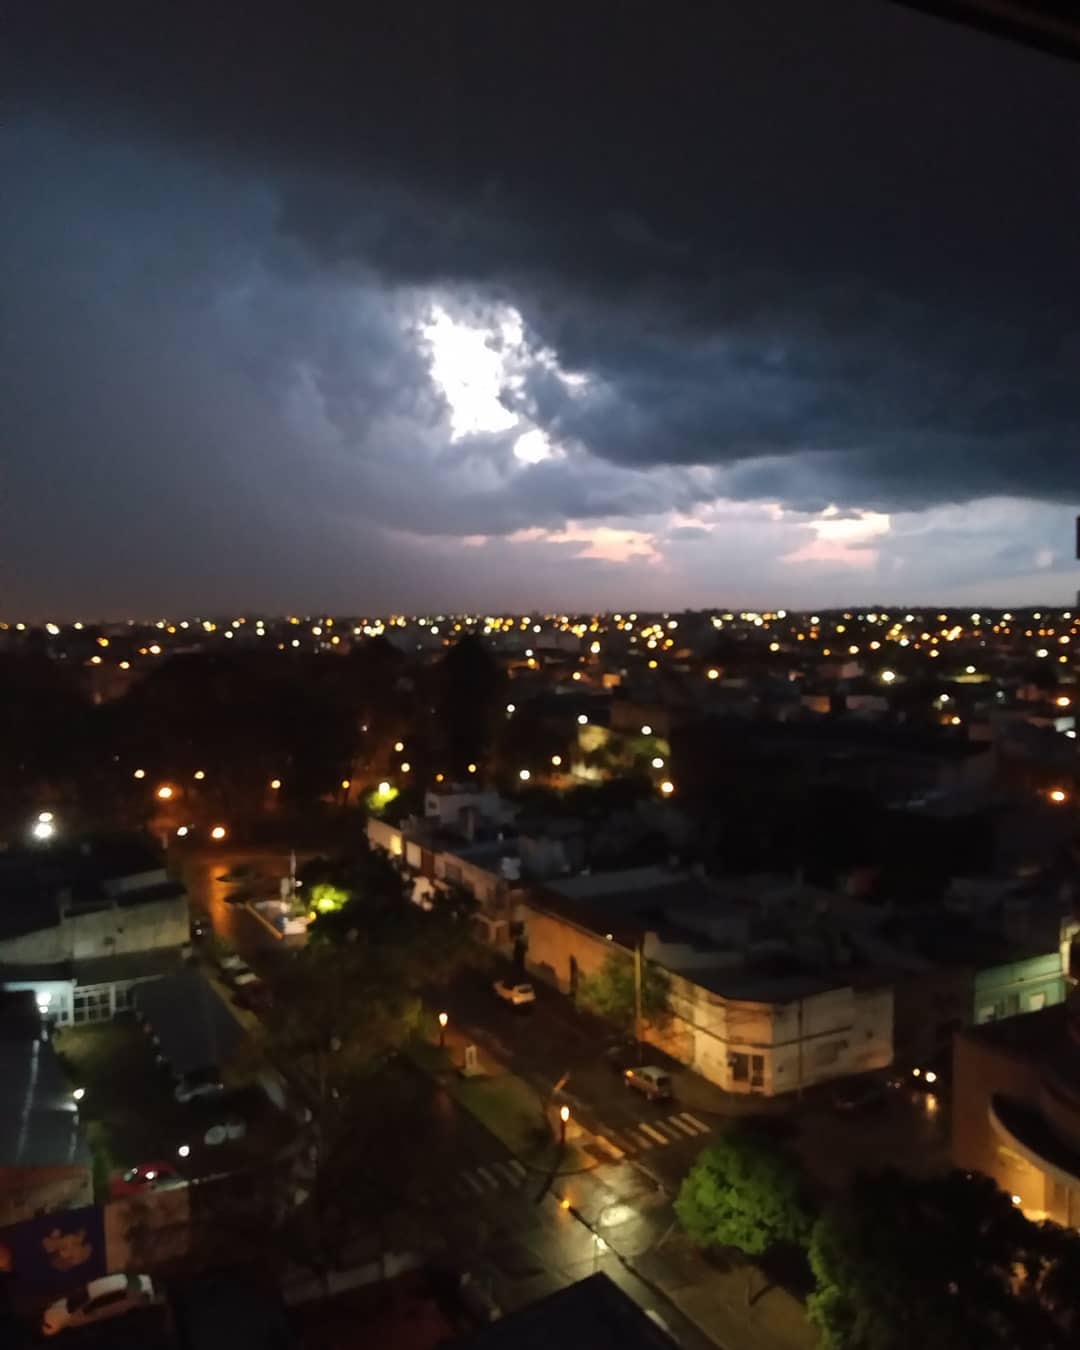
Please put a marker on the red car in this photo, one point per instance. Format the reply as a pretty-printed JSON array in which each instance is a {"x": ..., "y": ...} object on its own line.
[{"x": 148, "y": 1176}]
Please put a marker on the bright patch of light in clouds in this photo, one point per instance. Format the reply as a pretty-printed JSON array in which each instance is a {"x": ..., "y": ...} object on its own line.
[
  {"x": 470, "y": 373},
  {"x": 473, "y": 364},
  {"x": 842, "y": 539},
  {"x": 532, "y": 446}
]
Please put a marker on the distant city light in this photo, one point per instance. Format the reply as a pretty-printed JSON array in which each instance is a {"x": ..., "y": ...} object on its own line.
[
  {"x": 511, "y": 707},
  {"x": 182, "y": 832},
  {"x": 524, "y": 775},
  {"x": 218, "y": 832},
  {"x": 384, "y": 789},
  {"x": 78, "y": 1093},
  {"x": 43, "y": 829},
  {"x": 1058, "y": 796},
  {"x": 398, "y": 747},
  {"x": 406, "y": 767},
  {"x": 1062, "y": 701},
  {"x": 556, "y": 760},
  {"x": 199, "y": 774},
  {"x": 887, "y": 676},
  {"x": 346, "y": 783},
  {"x": 164, "y": 792},
  {"x": 275, "y": 784},
  {"x": 646, "y": 730},
  {"x": 582, "y": 720},
  {"x": 139, "y": 773},
  {"x": 667, "y": 787},
  {"x": 45, "y": 817},
  {"x": 472, "y": 768},
  {"x": 713, "y": 674},
  {"x": 658, "y": 762},
  {"x": 184, "y": 1151}
]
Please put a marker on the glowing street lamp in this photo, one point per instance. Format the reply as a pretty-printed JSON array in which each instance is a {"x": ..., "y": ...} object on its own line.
[
  {"x": 443, "y": 1019},
  {"x": 78, "y": 1093},
  {"x": 1058, "y": 796},
  {"x": 564, "y": 1117},
  {"x": 164, "y": 792},
  {"x": 218, "y": 832},
  {"x": 667, "y": 787},
  {"x": 275, "y": 784},
  {"x": 524, "y": 775},
  {"x": 139, "y": 773},
  {"x": 557, "y": 760},
  {"x": 184, "y": 1151},
  {"x": 43, "y": 829},
  {"x": 384, "y": 789},
  {"x": 199, "y": 775}
]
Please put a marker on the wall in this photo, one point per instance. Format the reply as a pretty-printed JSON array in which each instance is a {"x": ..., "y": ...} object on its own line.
[
  {"x": 27, "y": 1191},
  {"x": 553, "y": 941},
  {"x": 981, "y": 1069},
  {"x": 105, "y": 932},
  {"x": 1018, "y": 987}
]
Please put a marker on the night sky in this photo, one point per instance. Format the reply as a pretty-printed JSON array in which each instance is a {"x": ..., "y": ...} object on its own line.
[{"x": 505, "y": 305}]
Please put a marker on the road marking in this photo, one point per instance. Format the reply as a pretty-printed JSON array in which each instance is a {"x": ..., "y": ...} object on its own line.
[
  {"x": 487, "y": 1178},
  {"x": 665, "y": 1128},
  {"x": 702, "y": 1128},
  {"x": 504, "y": 1170},
  {"x": 472, "y": 1183},
  {"x": 516, "y": 1168},
  {"x": 682, "y": 1125},
  {"x": 630, "y": 1140},
  {"x": 654, "y": 1134}
]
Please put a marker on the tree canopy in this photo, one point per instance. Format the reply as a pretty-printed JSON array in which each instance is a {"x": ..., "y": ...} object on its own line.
[
  {"x": 610, "y": 992},
  {"x": 940, "y": 1263},
  {"x": 743, "y": 1191}
]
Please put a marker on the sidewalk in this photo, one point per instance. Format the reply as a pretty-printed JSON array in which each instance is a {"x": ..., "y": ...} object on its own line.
[{"x": 613, "y": 1217}]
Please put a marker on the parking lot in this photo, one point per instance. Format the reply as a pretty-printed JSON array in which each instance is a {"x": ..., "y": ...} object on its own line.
[{"x": 131, "y": 1115}]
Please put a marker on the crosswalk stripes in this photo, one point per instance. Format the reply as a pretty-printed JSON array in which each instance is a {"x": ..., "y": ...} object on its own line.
[
  {"x": 482, "y": 1179},
  {"x": 656, "y": 1133}
]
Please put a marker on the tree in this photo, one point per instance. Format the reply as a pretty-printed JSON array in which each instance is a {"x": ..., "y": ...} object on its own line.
[
  {"x": 610, "y": 991},
  {"x": 937, "y": 1263},
  {"x": 744, "y": 1192}
]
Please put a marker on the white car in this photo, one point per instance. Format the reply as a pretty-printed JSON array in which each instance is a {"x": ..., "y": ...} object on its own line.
[
  {"x": 111, "y": 1296},
  {"x": 517, "y": 994}
]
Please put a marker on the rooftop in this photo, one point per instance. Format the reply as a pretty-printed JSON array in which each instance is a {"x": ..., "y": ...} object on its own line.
[{"x": 593, "y": 1314}]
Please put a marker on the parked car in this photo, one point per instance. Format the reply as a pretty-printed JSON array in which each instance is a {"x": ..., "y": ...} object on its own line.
[
  {"x": 201, "y": 1083},
  {"x": 242, "y": 978},
  {"x": 232, "y": 962},
  {"x": 148, "y": 1176},
  {"x": 110, "y": 1296},
  {"x": 519, "y": 994},
  {"x": 650, "y": 1081}
]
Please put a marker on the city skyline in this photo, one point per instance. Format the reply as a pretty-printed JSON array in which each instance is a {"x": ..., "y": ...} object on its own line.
[{"x": 764, "y": 309}]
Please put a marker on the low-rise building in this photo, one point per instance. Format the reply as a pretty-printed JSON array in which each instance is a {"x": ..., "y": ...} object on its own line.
[
  {"x": 750, "y": 1009},
  {"x": 81, "y": 925}
]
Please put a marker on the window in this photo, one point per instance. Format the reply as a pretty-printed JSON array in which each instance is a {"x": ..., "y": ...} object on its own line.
[
  {"x": 1036, "y": 1002},
  {"x": 93, "y": 1004},
  {"x": 740, "y": 1067}
]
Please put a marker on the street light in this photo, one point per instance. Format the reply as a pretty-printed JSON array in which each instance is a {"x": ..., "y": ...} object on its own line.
[
  {"x": 78, "y": 1093},
  {"x": 218, "y": 832},
  {"x": 275, "y": 784},
  {"x": 524, "y": 775},
  {"x": 564, "y": 1116},
  {"x": 164, "y": 792},
  {"x": 443, "y": 1019},
  {"x": 667, "y": 787},
  {"x": 1058, "y": 796},
  {"x": 43, "y": 829},
  {"x": 184, "y": 1151},
  {"x": 199, "y": 775}
]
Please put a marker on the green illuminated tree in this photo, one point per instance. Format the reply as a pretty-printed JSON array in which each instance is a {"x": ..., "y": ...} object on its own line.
[
  {"x": 743, "y": 1192},
  {"x": 610, "y": 991}
]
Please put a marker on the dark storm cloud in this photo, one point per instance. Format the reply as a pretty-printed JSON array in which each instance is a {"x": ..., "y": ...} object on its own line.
[{"x": 827, "y": 252}]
